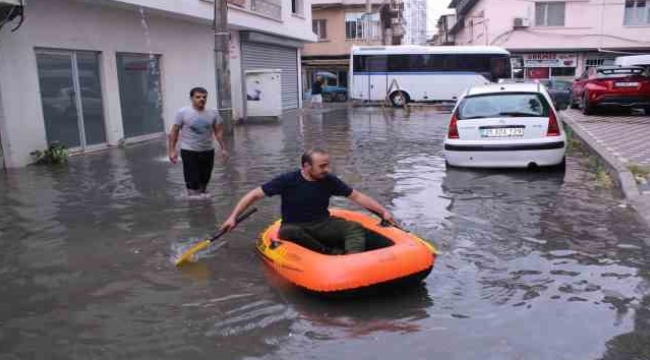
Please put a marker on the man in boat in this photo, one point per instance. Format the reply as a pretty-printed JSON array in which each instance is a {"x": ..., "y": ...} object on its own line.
[{"x": 305, "y": 196}]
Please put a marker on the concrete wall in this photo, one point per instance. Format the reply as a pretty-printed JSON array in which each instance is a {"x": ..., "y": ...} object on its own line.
[
  {"x": 336, "y": 43},
  {"x": 184, "y": 41},
  {"x": 187, "y": 61},
  {"x": 290, "y": 25},
  {"x": 589, "y": 24}
]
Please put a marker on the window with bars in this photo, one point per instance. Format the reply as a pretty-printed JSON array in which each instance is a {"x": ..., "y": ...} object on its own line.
[
  {"x": 549, "y": 13},
  {"x": 595, "y": 62},
  {"x": 637, "y": 12},
  {"x": 319, "y": 26},
  {"x": 359, "y": 25}
]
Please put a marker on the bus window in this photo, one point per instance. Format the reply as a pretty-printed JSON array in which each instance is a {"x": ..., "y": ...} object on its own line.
[
  {"x": 399, "y": 63},
  {"x": 359, "y": 63},
  {"x": 500, "y": 68},
  {"x": 376, "y": 63}
]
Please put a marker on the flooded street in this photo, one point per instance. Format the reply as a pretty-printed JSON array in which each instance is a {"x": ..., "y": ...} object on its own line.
[{"x": 533, "y": 265}]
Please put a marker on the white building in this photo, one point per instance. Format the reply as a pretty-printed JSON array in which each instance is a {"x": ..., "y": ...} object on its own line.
[
  {"x": 90, "y": 74},
  {"x": 415, "y": 16}
]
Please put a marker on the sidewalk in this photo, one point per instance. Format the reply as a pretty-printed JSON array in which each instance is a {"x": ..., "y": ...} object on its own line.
[{"x": 621, "y": 142}]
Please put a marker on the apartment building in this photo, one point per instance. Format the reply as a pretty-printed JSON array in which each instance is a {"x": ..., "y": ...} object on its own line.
[
  {"x": 415, "y": 21},
  {"x": 91, "y": 74},
  {"x": 551, "y": 38},
  {"x": 340, "y": 24}
]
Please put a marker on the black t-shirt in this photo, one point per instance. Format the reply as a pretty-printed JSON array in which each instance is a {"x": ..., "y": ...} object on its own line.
[
  {"x": 317, "y": 88},
  {"x": 303, "y": 200}
]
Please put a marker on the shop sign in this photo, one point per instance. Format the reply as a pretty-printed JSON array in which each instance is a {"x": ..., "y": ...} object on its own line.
[{"x": 550, "y": 60}]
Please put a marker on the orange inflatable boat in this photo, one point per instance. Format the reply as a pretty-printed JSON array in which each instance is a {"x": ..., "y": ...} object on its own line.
[{"x": 392, "y": 257}]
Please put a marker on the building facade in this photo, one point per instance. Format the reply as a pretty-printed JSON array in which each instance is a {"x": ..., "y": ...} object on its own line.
[
  {"x": 415, "y": 18},
  {"x": 341, "y": 24},
  {"x": 552, "y": 38},
  {"x": 94, "y": 74}
]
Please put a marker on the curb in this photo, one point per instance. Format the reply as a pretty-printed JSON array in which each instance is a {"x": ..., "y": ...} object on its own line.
[{"x": 619, "y": 172}]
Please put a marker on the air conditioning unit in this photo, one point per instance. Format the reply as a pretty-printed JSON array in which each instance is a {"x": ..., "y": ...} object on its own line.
[{"x": 521, "y": 23}]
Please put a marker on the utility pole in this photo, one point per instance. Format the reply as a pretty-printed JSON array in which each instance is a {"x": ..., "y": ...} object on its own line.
[{"x": 222, "y": 63}]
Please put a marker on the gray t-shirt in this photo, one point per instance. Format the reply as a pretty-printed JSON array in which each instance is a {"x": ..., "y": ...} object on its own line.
[{"x": 197, "y": 128}]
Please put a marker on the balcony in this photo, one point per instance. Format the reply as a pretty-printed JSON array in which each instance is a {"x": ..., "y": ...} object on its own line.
[{"x": 270, "y": 8}]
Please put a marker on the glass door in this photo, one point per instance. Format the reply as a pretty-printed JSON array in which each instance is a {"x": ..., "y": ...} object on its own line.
[
  {"x": 71, "y": 98},
  {"x": 140, "y": 94}
]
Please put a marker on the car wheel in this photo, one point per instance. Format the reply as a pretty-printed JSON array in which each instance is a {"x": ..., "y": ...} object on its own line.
[
  {"x": 399, "y": 99},
  {"x": 647, "y": 111},
  {"x": 587, "y": 109},
  {"x": 341, "y": 97},
  {"x": 327, "y": 97},
  {"x": 572, "y": 102}
]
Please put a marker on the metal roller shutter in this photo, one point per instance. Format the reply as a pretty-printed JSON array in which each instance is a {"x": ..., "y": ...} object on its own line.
[{"x": 264, "y": 56}]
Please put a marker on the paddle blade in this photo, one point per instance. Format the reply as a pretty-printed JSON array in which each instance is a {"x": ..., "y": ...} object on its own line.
[{"x": 189, "y": 254}]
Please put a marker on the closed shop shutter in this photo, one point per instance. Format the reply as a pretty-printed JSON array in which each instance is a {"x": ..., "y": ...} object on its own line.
[{"x": 264, "y": 56}]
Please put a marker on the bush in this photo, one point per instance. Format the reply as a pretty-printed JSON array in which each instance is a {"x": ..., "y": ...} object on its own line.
[{"x": 55, "y": 154}]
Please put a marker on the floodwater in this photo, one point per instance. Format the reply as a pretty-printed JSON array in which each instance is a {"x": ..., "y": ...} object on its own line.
[{"x": 533, "y": 265}]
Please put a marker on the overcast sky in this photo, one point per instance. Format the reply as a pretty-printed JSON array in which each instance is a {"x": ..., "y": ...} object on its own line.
[{"x": 435, "y": 8}]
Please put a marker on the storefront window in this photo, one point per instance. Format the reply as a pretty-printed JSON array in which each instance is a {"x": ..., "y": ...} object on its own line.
[
  {"x": 538, "y": 73},
  {"x": 140, "y": 93},
  {"x": 567, "y": 71}
]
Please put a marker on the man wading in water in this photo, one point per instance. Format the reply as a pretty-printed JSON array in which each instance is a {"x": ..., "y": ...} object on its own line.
[
  {"x": 196, "y": 126},
  {"x": 305, "y": 196}
]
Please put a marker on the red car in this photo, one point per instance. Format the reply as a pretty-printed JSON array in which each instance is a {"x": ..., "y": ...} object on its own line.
[{"x": 611, "y": 86}]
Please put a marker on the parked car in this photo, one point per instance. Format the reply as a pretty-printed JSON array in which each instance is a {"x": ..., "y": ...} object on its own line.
[
  {"x": 560, "y": 92},
  {"x": 634, "y": 60},
  {"x": 505, "y": 126},
  {"x": 611, "y": 86}
]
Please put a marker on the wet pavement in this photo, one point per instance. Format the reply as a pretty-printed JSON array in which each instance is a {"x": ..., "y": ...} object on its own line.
[{"x": 533, "y": 265}]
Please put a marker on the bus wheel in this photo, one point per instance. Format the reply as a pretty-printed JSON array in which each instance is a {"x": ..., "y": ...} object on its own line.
[{"x": 399, "y": 99}]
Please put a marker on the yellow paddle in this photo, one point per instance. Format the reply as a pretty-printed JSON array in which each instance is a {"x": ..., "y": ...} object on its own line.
[{"x": 189, "y": 254}]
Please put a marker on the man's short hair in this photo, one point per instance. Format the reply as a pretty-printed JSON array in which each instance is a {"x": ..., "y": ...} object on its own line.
[
  {"x": 307, "y": 156},
  {"x": 199, "y": 90}
]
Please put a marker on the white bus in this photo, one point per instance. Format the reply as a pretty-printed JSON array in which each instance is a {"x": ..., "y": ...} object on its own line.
[{"x": 408, "y": 73}]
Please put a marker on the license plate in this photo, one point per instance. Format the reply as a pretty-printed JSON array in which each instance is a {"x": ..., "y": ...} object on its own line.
[
  {"x": 502, "y": 132},
  {"x": 626, "y": 84}
]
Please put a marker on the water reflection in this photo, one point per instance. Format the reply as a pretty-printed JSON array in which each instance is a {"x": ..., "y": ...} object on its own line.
[{"x": 540, "y": 263}]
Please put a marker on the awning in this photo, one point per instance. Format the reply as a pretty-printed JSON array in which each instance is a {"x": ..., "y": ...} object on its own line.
[{"x": 326, "y": 62}]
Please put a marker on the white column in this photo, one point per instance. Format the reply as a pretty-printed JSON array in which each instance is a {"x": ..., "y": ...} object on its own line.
[
  {"x": 112, "y": 106},
  {"x": 236, "y": 78},
  {"x": 299, "y": 53}
]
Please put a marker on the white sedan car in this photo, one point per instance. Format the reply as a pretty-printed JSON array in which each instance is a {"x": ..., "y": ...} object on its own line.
[{"x": 505, "y": 126}]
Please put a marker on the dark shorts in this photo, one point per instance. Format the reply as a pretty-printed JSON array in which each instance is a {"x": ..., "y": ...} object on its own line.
[{"x": 197, "y": 168}]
